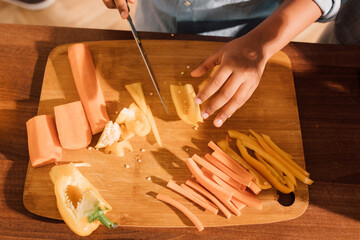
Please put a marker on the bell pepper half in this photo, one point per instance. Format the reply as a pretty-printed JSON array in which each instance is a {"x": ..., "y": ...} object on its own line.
[{"x": 79, "y": 202}]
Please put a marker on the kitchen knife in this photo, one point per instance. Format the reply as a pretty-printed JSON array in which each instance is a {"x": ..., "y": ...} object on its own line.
[{"x": 144, "y": 57}]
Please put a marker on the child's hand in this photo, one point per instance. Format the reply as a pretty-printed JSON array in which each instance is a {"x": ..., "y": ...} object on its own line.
[
  {"x": 241, "y": 66},
  {"x": 119, "y": 4}
]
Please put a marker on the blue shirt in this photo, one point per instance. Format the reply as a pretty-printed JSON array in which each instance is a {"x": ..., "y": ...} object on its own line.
[{"x": 231, "y": 18}]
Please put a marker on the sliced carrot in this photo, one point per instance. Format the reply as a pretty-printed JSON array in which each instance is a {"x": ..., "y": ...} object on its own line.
[
  {"x": 182, "y": 208},
  {"x": 258, "y": 178},
  {"x": 215, "y": 158},
  {"x": 207, "y": 183},
  {"x": 72, "y": 125},
  {"x": 245, "y": 197},
  {"x": 43, "y": 142},
  {"x": 254, "y": 188},
  {"x": 240, "y": 205},
  {"x": 88, "y": 86},
  {"x": 226, "y": 202},
  {"x": 173, "y": 186},
  {"x": 229, "y": 162},
  {"x": 215, "y": 170},
  {"x": 211, "y": 197},
  {"x": 197, "y": 195},
  {"x": 262, "y": 169}
]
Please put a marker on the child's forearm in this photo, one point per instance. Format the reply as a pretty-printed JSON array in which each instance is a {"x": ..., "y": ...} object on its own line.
[{"x": 285, "y": 23}]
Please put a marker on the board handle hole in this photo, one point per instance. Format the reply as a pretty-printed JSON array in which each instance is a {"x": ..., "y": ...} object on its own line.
[{"x": 286, "y": 200}]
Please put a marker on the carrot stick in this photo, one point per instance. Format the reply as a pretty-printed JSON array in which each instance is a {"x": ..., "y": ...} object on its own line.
[
  {"x": 226, "y": 202},
  {"x": 240, "y": 205},
  {"x": 213, "y": 159},
  {"x": 229, "y": 162},
  {"x": 211, "y": 197},
  {"x": 182, "y": 208},
  {"x": 173, "y": 186},
  {"x": 258, "y": 178},
  {"x": 209, "y": 165},
  {"x": 197, "y": 195},
  {"x": 254, "y": 188},
  {"x": 245, "y": 197},
  {"x": 207, "y": 183}
]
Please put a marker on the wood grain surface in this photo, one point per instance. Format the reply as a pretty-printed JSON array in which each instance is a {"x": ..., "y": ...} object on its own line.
[
  {"x": 272, "y": 110},
  {"x": 329, "y": 119}
]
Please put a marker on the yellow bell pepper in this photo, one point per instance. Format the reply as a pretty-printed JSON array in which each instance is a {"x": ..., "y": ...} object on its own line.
[{"x": 79, "y": 202}]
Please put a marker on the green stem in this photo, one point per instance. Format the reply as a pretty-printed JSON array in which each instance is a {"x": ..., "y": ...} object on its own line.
[{"x": 99, "y": 214}]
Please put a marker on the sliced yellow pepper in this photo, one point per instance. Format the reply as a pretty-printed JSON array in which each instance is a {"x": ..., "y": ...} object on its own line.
[
  {"x": 183, "y": 97},
  {"x": 280, "y": 160},
  {"x": 79, "y": 202},
  {"x": 263, "y": 170},
  {"x": 258, "y": 178}
]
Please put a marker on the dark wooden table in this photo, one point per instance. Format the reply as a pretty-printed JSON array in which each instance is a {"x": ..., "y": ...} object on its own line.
[{"x": 327, "y": 79}]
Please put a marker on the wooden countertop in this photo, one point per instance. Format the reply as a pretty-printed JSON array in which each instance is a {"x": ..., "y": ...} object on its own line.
[{"x": 327, "y": 79}]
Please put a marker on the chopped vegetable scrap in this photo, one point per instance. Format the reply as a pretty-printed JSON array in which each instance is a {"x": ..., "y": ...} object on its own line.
[
  {"x": 186, "y": 108},
  {"x": 79, "y": 203},
  {"x": 110, "y": 135},
  {"x": 137, "y": 93}
]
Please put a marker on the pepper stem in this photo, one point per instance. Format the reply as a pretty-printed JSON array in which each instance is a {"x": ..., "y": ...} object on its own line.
[{"x": 99, "y": 214}]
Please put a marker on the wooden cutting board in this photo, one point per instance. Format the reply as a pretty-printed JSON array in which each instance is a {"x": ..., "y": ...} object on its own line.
[{"x": 271, "y": 110}]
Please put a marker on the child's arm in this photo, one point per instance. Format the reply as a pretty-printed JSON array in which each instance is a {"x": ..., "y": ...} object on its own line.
[{"x": 242, "y": 61}]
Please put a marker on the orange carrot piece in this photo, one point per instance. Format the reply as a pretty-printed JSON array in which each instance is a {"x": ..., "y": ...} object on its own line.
[
  {"x": 197, "y": 195},
  {"x": 211, "y": 197},
  {"x": 206, "y": 164},
  {"x": 240, "y": 205},
  {"x": 245, "y": 197},
  {"x": 72, "y": 125},
  {"x": 216, "y": 162},
  {"x": 175, "y": 187},
  {"x": 226, "y": 202},
  {"x": 182, "y": 208},
  {"x": 207, "y": 183},
  {"x": 88, "y": 86},
  {"x": 43, "y": 141},
  {"x": 229, "y": 162},
  {"x": 254, "y": 188}
]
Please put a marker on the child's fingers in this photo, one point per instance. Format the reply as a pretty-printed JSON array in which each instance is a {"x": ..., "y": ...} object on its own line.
[
  {"x": 226, "y": 93},
  {"x": 207, "y": 64},
  {"x": 240, "y": 97},
  {"x": 219, "y": 78},
  {"x": 123, "y": 9},
  {"x": 109, "y": 3}
]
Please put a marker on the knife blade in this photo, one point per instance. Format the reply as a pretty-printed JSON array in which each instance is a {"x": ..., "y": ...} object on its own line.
[{"x": 144, "y": 57}]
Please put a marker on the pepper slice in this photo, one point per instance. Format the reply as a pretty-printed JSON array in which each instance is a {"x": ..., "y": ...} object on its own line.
[
  {"x": 186, "y": 108},
  {"x": 79, "y": 202}
]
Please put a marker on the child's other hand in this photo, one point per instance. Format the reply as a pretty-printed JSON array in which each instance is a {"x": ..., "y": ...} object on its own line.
[
  {"x": 241, "y": 66},
  {"x": 119, "y": 4}
]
